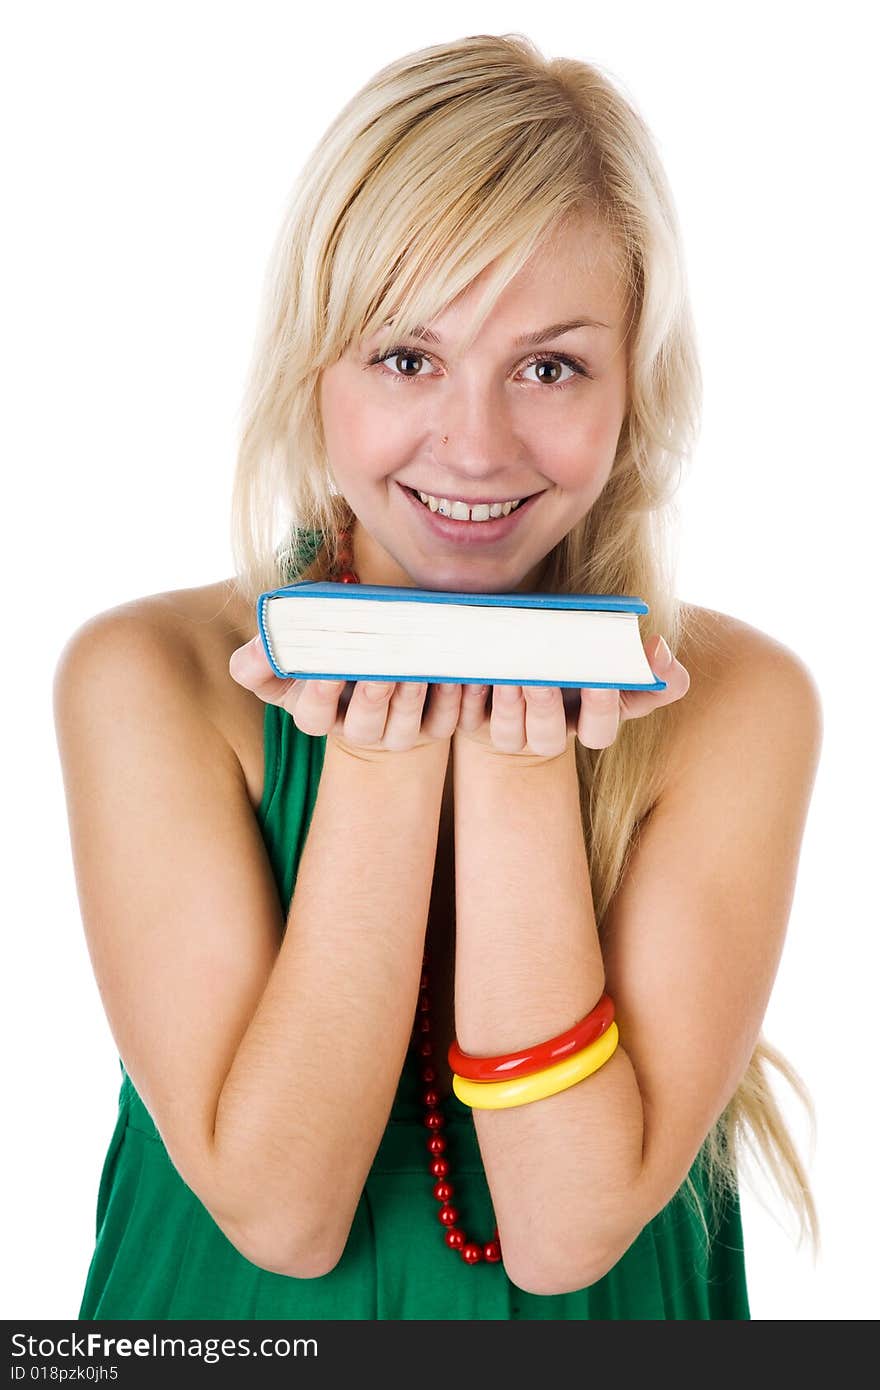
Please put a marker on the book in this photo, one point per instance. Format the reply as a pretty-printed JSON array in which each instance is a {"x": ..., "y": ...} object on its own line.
[{"x": 334, "y": 631}]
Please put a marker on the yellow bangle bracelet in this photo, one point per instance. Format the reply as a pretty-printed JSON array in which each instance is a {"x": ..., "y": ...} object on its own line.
[{"x": 520, "y": 1090}]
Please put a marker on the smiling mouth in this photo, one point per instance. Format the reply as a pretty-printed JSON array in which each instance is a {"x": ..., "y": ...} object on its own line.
[{"x": 519, "y": 502}]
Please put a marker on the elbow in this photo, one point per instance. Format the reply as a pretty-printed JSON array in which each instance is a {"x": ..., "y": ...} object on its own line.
[
  {"x": 556, "y": 1270},
  {"x": 302, "y": 1258},
  {"x": 303, "y": 1241},
  {"x": 551, "y": 1281},
  {"x": 312, "y": 1265}
]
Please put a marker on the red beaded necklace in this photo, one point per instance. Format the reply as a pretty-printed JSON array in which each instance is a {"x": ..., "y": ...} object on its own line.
[{"x": 471, "y": 1251}]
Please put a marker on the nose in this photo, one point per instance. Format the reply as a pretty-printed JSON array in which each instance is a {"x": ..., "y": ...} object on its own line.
[{"x": 474, "y": 436}]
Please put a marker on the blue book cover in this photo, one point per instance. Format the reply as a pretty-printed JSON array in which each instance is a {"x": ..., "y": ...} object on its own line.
[{"x": 331, "y": 589}]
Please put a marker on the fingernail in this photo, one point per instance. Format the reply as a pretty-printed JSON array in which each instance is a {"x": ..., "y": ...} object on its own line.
[{"x": 664, "y": 656}]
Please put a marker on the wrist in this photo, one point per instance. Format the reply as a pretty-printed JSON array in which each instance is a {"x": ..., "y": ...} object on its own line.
[
  {"x": 424, "y": 755},
  {"x": 478, "y": 751}
]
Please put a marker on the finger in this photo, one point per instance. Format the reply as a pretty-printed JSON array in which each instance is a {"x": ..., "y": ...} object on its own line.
[
  {"x": 403, "y": 721},
  {"x": 366, "y": 714},
  {"x": 440, "y": 717},
  {"x": 507, "y": 721},
  {"x": 472, "y": 710},
  {"x": 599, "y": 717},
  {"x": 314, "y": 705},
  {"x": 635, "y": 703},
  {"x": 546, "y": 732},
  {"x": 249, "y": 666}
]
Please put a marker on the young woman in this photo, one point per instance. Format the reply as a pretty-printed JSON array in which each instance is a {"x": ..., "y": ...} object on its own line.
[{"x": 310, "y": 906}]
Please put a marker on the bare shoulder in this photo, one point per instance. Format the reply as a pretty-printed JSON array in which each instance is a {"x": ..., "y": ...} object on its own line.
[
  {"x": 739, "y": 672},
  {"x": 186, "y": 636},
  {"x": 718, "y": 649},
  {"x": 199, "y": 624}
]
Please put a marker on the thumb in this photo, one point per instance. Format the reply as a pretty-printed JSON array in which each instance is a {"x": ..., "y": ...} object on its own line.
[{"x": 241, "y": 662}]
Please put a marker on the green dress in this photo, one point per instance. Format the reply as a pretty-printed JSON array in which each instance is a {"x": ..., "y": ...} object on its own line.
[{"x": 160, "y": 1255}]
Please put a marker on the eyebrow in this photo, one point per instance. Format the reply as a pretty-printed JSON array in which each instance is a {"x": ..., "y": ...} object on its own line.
[{"x": 537, "y": 335}]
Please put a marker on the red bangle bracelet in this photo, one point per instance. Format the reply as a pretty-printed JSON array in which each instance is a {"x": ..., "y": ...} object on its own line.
[{"x": 540, "y": 1055}]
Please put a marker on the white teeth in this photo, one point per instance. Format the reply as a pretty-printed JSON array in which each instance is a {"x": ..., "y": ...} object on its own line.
[{"x": 460, "y": 511}]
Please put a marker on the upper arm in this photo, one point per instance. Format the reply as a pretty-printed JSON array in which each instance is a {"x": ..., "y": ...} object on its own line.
[
  {"x": 693, "y": 937},
  {"x": 178, "y": 903}
]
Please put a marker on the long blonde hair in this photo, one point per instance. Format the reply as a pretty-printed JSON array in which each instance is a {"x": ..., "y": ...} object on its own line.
[{"x": 452, "y": 159}]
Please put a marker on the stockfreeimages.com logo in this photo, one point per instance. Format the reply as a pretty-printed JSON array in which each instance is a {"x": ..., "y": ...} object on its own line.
[{"x": 94, "y": 1345}]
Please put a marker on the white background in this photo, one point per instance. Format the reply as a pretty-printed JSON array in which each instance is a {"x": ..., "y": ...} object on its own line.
[{"x": 150, "y": 150}]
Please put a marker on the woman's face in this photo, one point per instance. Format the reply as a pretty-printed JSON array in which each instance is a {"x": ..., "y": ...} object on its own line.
[{"x": 514, "y": 426}]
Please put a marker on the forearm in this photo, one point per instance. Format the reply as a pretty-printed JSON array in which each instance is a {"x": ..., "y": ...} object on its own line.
[
  {"x": 529, "y": 966},
  {"x": 308, "y": 1095}
]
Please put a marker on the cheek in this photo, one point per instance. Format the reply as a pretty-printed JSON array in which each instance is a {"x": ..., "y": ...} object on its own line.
[
  {"x": 338, "y": 414},
  {"x": 583, "y": 450},
  {"x": 360, "y": 432}
]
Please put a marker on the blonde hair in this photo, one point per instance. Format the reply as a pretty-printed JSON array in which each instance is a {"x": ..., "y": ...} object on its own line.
[{"x": 452, "y": 159}]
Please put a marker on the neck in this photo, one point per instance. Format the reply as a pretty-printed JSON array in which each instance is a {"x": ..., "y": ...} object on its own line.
[{"x": 371, "y": 564}]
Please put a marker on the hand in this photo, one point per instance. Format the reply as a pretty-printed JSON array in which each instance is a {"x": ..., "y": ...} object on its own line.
[
  {"x": 542, "y": 721},
  {"x": 357, "y": 715}
]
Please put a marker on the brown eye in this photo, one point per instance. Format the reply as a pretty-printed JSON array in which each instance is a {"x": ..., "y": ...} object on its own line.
[
  {"x": 398, "y": 354},
  {"x": 550, "y": 368},
  {"x": 407, "y": 357}
]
